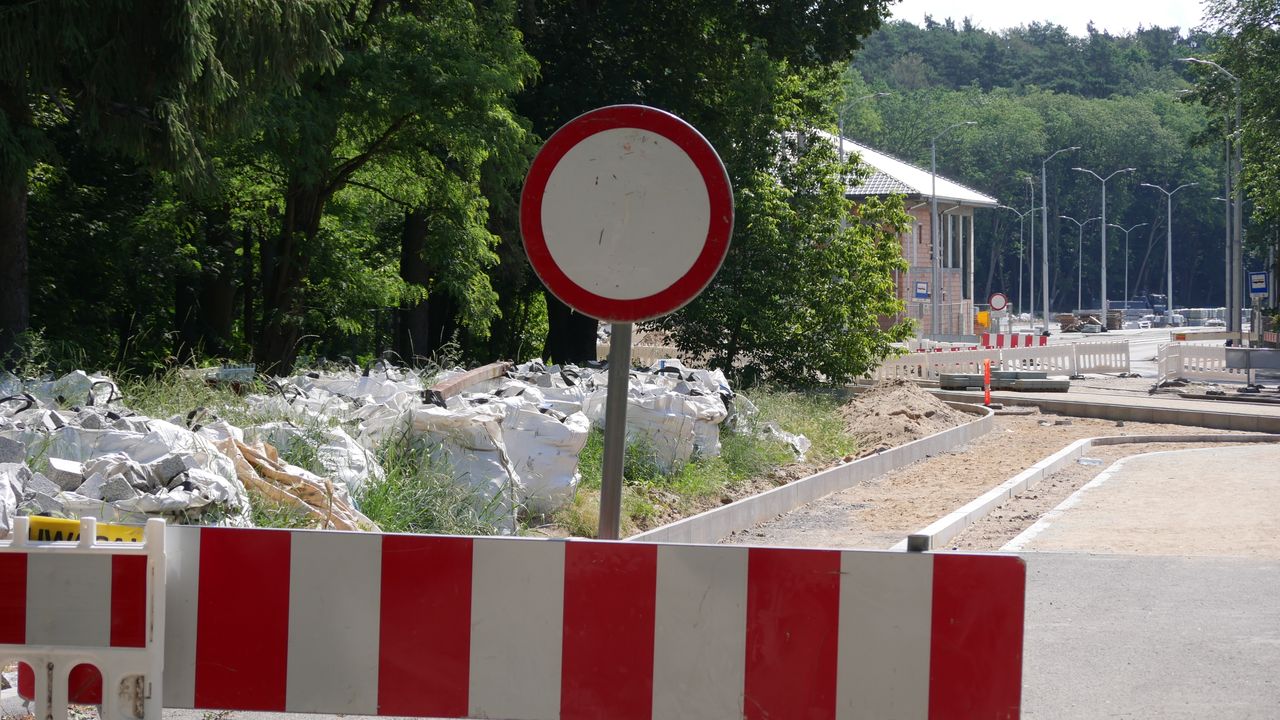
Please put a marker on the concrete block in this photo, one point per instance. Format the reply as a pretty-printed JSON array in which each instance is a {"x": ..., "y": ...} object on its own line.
[
  {"x": 118, "y": 488},
  {"x": 12, "y": 451},
  {"x": 90, "y": 420},
  {"x": 38, "y": 483},
  {"x": 66, "y": 474},
  {"x": 92, "y": 487},
  {"x": 162, "y": 471},
  {"x": 41, "y": 504}
]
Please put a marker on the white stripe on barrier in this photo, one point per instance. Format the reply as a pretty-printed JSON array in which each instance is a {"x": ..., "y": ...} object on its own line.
[
  {"x": 330, "y": 610},
  {"x": 69, "y": 600},
  {"x": 881, "y": 598},
  {"x": 699, "y": 633},
  {"x": 183, "y": 581},
  {"x": 517, "y": 613}
]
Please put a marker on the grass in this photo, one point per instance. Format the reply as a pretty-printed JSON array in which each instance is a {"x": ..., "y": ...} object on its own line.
[{"x": 650, "y": 496}]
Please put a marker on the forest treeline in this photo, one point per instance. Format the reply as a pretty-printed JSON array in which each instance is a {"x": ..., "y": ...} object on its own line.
[
  {"x": 1125, "y": 100},
  {"x": 279, "y": 181}
]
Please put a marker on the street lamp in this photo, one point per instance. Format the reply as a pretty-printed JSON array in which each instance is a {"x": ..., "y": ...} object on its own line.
[
  {"x": 1044, "y": 234},
  {"x": 844, "y": 107},
  {"x": 1126, "y": 261},
  {"x": 934, "y": 296},
  {"x": 1104, "y": 231},
  {"x": 1080, "y": 260},
  {"x": 1234, "y": 259},
  {"x": 1168, "y": 258},
  {"x": 1021, "y": 216}
]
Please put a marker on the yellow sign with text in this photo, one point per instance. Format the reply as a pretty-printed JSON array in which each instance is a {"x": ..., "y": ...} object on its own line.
[{"x": 46, "y": 529}]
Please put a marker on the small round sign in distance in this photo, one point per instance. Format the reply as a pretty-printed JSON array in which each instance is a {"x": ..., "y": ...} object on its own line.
[
  {"x": 626, "y": 213},
  {"x": 998, "y": 302}
]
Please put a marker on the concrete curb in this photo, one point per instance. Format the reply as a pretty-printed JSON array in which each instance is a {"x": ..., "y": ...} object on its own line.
[
  {"x": 716, "y": 524},
  {"x": 943, "y": 530},
  {"x": 1216, "y": 419}
]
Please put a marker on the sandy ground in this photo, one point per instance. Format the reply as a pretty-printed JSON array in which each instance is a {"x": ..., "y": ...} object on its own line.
[
  {"x": 881, "y": 512},
  {"x": 1005, "y": 522},
  {"x": 1209, "y": 501}
]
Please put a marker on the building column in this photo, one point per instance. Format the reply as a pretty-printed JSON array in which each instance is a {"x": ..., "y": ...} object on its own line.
[{"x": 968, "y": 318}]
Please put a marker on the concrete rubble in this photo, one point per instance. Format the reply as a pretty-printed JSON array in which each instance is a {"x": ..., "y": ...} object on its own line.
[{"x": 70, "y": 447}]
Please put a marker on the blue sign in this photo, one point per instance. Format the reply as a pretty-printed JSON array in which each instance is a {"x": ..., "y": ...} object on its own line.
[
  {"x": 1258, "y": 283},
  {"x": 922, "y": 289}
]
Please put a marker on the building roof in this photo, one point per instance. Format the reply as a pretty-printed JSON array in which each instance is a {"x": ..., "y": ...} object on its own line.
[{"x": 891, "y": 176}]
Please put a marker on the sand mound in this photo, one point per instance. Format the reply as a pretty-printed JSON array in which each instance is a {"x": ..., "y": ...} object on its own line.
[{"x": 895, "y": 412}]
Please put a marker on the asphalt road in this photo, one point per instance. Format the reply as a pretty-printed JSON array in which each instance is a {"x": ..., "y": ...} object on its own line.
[{"x": 1164, "y": 638}]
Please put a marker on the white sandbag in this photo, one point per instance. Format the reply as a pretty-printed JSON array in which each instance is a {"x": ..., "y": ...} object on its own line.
[
  {"x": 10, "y": 490},
  {"x": 469, "y": 440},
  {"x": 344, "y": 460},
  {"x": 543, "y": 448}
]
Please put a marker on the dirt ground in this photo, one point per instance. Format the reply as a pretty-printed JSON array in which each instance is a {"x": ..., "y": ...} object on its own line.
[
  {"x": 881, "y": 512},
  {"x": 894, "y": 413}
]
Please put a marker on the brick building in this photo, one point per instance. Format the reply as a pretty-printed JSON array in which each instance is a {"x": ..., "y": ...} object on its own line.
[{"x": 956, "y": 203}]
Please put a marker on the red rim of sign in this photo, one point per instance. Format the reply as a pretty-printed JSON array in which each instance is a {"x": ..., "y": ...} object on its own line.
[
  {"x": 1004, "y": 302},
  {"x": 719, "y": 230}
]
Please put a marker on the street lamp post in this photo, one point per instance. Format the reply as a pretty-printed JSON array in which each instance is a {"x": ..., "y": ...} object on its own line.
[
  {"x": 1021, "y": 216},
  {"x": 1126, "y": 261},
  {"x": 1044, "y": 231},
  {"x": 844, "y": 107},
  {"x": 1168, "y": 258},
  {"x": 934, "y": 296},
  {"x": 1234, "y": 259},
  {"x": 1104, "y": 231},
  {"x": 1080, "y": 259}
]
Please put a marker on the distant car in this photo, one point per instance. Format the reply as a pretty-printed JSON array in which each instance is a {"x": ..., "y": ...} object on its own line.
[
  {"x": 1091, "y": 328},
  {"x": 1215, "y": 322}
]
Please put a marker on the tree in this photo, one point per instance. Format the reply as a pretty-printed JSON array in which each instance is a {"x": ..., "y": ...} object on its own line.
[
  {"x": 717, "y": 65},
  {"x": 145, "y": 81}
]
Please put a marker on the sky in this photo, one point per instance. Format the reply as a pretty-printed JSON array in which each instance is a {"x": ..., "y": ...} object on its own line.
[{"x": 1115, "y": 16}]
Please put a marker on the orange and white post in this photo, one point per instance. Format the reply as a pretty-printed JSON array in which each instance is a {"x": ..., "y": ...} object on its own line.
[{"x": 986, "y": 382}]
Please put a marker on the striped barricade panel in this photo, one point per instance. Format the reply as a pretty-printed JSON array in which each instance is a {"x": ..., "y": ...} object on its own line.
[
  {"x": 74, "y": 613},
  {"x": 452, "y": 627}
]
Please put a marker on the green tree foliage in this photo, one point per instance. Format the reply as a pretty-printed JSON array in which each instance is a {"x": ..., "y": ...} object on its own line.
[
  {"x": 727, "y": 68},
  {"x": 144, "y": 81},
  {"x": 1031, "y": 91}
]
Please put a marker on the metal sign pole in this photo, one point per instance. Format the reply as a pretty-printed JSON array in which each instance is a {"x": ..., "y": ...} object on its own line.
[{"x": 615, "y": 431}]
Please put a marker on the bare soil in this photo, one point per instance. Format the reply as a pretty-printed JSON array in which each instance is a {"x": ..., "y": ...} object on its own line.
[
  {"x": 894, "y": 413},
  {"x": 881, "y": 512}
]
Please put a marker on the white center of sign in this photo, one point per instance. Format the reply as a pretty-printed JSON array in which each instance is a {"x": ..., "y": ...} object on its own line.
[{"x": 615, "y": 203}]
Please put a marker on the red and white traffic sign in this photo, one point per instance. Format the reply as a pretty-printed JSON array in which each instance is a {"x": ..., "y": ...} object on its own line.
[
  {"x": 998, "y": 302},
  {"x": 626, "y": 213}
]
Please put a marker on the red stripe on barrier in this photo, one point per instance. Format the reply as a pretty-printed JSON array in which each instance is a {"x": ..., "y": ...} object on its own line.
[
  {"x": 607, "y": 663},
  {"x": 975, "y": 661},
  {"x": 986, "y": 340},
  {"x": 425, "y": 633},
  {"x": 793, "y": 610},
  {"x": 26, "y": 682},
  {"x": 84, "y": 685},
  {"x": 999, "y": 341},
  {"x": 129, "y": 601},
  {"x": 242, "y": 625},
  {"x": 13, "y": 600}
]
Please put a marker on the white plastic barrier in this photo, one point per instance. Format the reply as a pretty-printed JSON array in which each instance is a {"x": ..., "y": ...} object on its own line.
[
  {"x": 1197, "y": 362},
  {"x": 1108, "y": 356},
  {"x": 83, "y": 618}
]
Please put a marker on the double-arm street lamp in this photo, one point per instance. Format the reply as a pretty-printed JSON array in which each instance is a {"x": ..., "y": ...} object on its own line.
[
  {"x": 1104, "y": 231},
  {"x": 1234, "y": 267},
  {"x": 1080, "y": 258},
  {"x": 1168, "y": 258},
  {"x": 1044, "y": 234},
  {"x": 935, "y": 296},
  {"x": 1126, "y": 260},
  {"x": 1021, "y": 216}
]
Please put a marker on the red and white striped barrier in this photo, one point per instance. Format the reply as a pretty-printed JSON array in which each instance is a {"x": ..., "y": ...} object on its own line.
[
  {"x": 1013, "y": 340},
  {"x": 74, "y": 614},
  {"x": 454, "y": 627}
]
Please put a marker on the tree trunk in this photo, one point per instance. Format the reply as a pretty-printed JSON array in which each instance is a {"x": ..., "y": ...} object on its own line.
[
  {"x": 413, "y": 329},
  {"x": 571, "y": 337},
  {"x": 284, "y": 266},
  {"x": 15, "y": 297},
  {"x": 247, "y": 286}
]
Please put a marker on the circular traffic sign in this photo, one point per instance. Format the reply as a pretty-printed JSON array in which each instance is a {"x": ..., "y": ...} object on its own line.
[
  {"x": 998, "y": 302},
  {"x": 626, "y": 213}
]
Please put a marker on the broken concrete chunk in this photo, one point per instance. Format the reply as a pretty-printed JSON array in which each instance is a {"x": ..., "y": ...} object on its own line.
[
  {"x": 164, "y": 469},
  {"x": 41, "y": 504},
  {"x": 66, "y": 474},
  {"x": 12, "y": 451},
  {"x": 90, "y": 420},
  {"x": 38, "y": 483},
  {"x": 92, "y": 488},
  {"x": 117, "y": 488}
]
